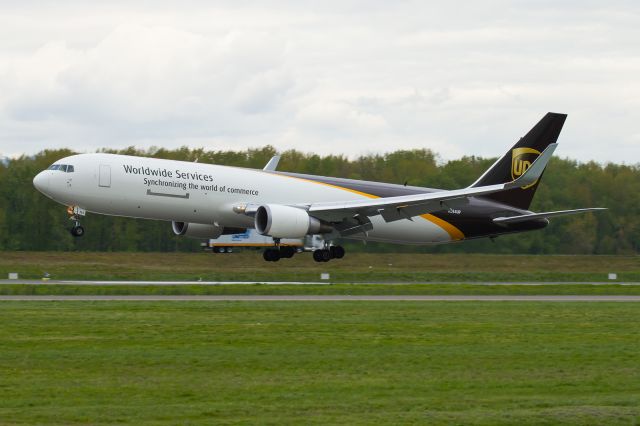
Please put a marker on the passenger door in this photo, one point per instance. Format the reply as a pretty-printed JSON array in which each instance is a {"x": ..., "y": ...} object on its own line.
[{"x": 104, "y": 179}]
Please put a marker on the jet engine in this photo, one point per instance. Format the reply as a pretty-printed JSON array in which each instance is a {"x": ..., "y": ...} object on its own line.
[
  {"x": 197, "y": 230},
  {"x": 280, "y": 221}
]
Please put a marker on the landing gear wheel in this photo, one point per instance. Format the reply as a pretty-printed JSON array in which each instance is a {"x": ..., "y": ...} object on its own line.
[
  {"x": 326, "y": 255},
  {"x": 287, "y": 252},
  {"x": 337, "y": 252},
  {"x": 271, "y": 255},
  {"x": 323, "y": 255},
  {"x": 77, "y": 231}
]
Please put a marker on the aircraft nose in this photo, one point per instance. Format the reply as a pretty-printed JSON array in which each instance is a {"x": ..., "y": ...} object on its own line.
[{"x": 41, "y": 182}]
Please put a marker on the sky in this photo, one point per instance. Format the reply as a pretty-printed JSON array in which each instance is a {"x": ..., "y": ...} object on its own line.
[{"x": 330, "y": 77}]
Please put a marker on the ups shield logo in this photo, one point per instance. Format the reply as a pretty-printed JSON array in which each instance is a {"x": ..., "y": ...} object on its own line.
[{"x": 521, "y": 160}]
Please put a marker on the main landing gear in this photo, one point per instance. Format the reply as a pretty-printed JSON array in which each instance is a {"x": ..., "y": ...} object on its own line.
[
  {"x": 328, "y": 253},
  {"x": 74, "y": 215},
  {"x": 320, "y": 255}
]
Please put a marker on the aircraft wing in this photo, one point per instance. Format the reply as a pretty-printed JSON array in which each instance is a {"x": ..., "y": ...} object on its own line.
[{"x": 408, "y": 206}]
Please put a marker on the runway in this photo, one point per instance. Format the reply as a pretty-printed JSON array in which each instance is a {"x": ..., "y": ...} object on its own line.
[
  {"x": 214, "y": 283},
  {"x": 337, "y": 298}
]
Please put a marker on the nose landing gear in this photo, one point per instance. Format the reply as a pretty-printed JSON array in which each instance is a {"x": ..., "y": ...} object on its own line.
[{"x": 74, "y": 215}]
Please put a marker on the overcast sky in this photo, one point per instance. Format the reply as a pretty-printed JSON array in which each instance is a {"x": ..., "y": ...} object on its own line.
[{"x": 339, "y": 77}]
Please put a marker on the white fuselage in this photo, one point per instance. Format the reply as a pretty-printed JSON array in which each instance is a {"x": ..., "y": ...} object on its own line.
[{"x": 180, "y": 191}]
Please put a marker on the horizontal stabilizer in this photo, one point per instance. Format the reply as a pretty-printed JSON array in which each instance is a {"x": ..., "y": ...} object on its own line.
[{"x": 525, "y": 217}]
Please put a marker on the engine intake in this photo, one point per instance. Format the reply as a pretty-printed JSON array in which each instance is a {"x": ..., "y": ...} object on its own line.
[
  {"x": 280, "y": 221},
  {"x": 197, "y": 230}
]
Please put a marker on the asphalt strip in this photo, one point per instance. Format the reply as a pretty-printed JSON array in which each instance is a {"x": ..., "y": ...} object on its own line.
[
  {"x": 337, "y": 298},
  {"x": 302, "y": 283}
]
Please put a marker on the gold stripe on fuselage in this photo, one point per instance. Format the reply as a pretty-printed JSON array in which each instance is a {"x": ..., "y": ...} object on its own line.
[{"x": 453, "y": 232}]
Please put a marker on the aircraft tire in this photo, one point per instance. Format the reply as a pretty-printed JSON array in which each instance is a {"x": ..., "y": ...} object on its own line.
[
  {"x": 326, "y": 255},
  {"x": 287, "y": 252},
  {"x": 337, "y": 252},
  {"x": 271, "y": 255},
  {"x": 77, "y": 231},
  {"x": 317, "y": 255},
  {"x": 275, "y": 255}
]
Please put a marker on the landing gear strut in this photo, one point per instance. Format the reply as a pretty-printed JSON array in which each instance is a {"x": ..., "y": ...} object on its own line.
[{"x": 74, "y": 215}]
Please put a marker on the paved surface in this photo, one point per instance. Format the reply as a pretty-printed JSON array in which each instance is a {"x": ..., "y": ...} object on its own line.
[
  {"x": 332, "y": 298},
  {"x": 166, "y": 283},
  {"x": 159, "y": 283}
]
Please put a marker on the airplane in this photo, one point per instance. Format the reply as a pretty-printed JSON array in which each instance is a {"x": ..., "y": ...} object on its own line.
[{"x": 206, "y": 201}]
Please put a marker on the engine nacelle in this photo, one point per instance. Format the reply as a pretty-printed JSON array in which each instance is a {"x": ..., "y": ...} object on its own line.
[
  {"x": 197, "y": 230},
  {"x": 280, "y": 221}
]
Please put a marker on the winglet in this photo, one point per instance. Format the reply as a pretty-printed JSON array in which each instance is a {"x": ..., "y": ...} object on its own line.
[
  {"x": 272, "y": 164},
  {"x": 533, "y": 173}
]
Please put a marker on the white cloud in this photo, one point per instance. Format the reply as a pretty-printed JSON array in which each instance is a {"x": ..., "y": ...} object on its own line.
[{"x": 337, "y": 77}]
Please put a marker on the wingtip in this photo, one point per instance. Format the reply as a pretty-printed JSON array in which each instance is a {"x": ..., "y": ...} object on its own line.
[
  {"x": 533, "y": 173},
  {"x": 272, "y": 164}
]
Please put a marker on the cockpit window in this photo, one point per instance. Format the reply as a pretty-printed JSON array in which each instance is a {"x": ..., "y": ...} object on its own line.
[{"x": 62, "y": 167}]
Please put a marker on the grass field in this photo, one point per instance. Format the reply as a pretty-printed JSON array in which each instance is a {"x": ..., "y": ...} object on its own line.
[
  {"x": 356, "y": 267},
  {"x": 310, "y": 289},
  {"x": 319, "y": 363}
]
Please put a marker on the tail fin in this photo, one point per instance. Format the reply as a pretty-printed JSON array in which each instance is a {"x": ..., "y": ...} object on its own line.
[{"x": 519, "y": 158}]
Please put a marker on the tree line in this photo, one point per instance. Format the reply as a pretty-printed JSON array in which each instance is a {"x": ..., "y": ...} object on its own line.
[{"x": 30, "y": 221}]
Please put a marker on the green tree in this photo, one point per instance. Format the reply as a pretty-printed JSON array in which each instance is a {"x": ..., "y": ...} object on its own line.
[{"x": 30, "y": 221}]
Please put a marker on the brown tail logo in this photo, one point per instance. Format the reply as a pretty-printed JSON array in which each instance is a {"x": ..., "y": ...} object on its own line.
[{"x": 521, "y": 160}]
